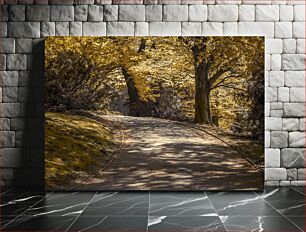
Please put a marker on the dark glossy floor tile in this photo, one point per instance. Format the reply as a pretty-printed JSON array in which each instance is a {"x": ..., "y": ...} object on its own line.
[
  {"x": 110, "y": 224},
  {"x": 301, "y": 190},
  {"x": 62, "y": 204},
  {"x": 259, "y": 223},
  {"x": 118, "y": 203},
  {"x": 298, "y": 221},
  {"x": 282, "y": 193},
  {"x": 237, "y": 203},
  {"x": 14, "y": 203},
  {"x": 181, "y": 224},
  {"x": 42, "y": 223},
  {"x": 180, "y": 204},
  {"x": 287, "y": 201}
]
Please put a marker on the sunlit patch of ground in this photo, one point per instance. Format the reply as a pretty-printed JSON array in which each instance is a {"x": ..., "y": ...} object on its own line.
[{"x": 74, "y": 146}]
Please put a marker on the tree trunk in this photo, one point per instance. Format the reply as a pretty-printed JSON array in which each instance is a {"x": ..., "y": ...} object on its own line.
[
  {"x": 134, "y": 98},
  {"x": 202, "y": 94}
]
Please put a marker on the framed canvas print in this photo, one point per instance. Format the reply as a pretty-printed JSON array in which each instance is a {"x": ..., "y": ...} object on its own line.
[{"x": 154, "y": 113}]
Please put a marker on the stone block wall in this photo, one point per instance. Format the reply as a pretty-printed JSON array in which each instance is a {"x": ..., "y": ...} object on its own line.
[{"x": 25, "y": 23}]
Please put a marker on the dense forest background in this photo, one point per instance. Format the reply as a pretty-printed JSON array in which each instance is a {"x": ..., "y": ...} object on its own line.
[{"x": 209, "y": 80}]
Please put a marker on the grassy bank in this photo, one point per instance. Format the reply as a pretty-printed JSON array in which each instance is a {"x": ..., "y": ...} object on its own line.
[{"x": 74, "y": 146}]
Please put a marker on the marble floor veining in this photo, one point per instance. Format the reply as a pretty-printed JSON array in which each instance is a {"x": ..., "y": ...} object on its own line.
[{"x": 275, "y": 210}]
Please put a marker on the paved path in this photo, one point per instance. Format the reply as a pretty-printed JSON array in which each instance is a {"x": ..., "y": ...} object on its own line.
[{"x": 160, "y": 155}]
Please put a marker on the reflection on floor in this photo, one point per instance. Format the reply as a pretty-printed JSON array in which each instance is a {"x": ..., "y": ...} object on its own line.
[{"x": 278, "y": 210}]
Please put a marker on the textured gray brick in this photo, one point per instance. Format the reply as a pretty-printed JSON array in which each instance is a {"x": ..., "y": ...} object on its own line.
[
  {"x": 4, "y": 15},
  {"x": 272, "y": 158},
  {"x": 103, "y": 2},
  {"x": 165, "y": 28},
  {"x": 154, "y": 13},
  {"x": 275, "y": 174},
  {"x": 131, "y": 13},
  {"x": 9, "y": 78},
  {"x": 273, "y": 46},
  {"x": 120, "y": 28},
  {"x": 94, "y": 28},
  {"x": 26, "y": 2},
  {"x": 60, "y": 2},
  {"x": 267, "y": 13},
  {"x": 230, "y": 28},
  {"x": 89, "y": 2},
  {"x": 141, "y": 29},
  {"x": 62, "y": 13},
  {"x": 95, "y": 13},
  {"x": 26, "y": 94},
  {"x": 175, "y": 13},
  {"x": 197, "y": 13},
  {"x": 299, "y": 13},
  {"x": 11, "y": 109},
  {"x": 6, "y": 124},
  {"x": 292, "y": 174},
  {"x": 80, "y": 12},
  {"x": 12, "y": 158},
  {"x": 31, "y": 78},
  {"x": 295, "y": 78},
  {"x": 62, "y": 28},
  {"x": 298, "y": 30},
  {"x": 16, "y": 62},
  {"x": 17, "y": 12},
  {"x": 256, "y": 28},
  {"x": 270, "y": 94},
  {"x": 23, "y": 29},
  {"x": 293, "y": 157},
  {"x": 290, "y": 124},
  {"x": 284, "y": 183},
  {"x": 39, "y": 13},
  {"x": 8, "y": 45},
  {"x": 191, "y": 29},
  {"x": 302, "y": 124},
  {"x": 47, "y": 29},
  {"x": 273, "y": 183},
  {"x": 273, "y": 123},
  {"x": 24, "y": 45},
  {"x": 293, "y": 61},
  {"x": 267, "y": 139},
  {"x": 276, "y": 79},
  {"x": 297, "y": 183},
  {"x": 76, "y": 28},
  {"x": 3, "y": 29},
  {"x": 297, "y": 94},
  {"x": 294, "y": 110},
  {"x": 276, "y": 61},
  {"x": 286, "y": 13},
  {"x": 296, "y": 139},
  {"x": 138, "y": 2},
  {"x": 223, "y": 13},
  {"x": 301, "y": 174},
  {"x": 9, "y": 94},
  {"x": 35, "y": 61},
  {"x": 289, "y": 45},
  {"x": 300, "y": 46},
  {"x": 279, "y": 139},
  {"x": 8, "y": 139},
  {"x": 111, "y": 12},
  {"x": 283, "y": 29},
  {"x": 2, "y": 62},
  {"x": 246, "y": 13},
  {"x": 212, "y": 29}
]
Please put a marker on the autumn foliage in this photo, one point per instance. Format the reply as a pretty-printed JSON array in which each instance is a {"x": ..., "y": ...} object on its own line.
[{"x": 210, "y": 80}]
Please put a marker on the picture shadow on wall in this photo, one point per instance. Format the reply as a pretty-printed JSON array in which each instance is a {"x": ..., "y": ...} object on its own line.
[{"x": 30, "y": 138}]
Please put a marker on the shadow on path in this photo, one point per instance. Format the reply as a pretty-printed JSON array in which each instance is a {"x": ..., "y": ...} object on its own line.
[{"x": 161, "y": 155}]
